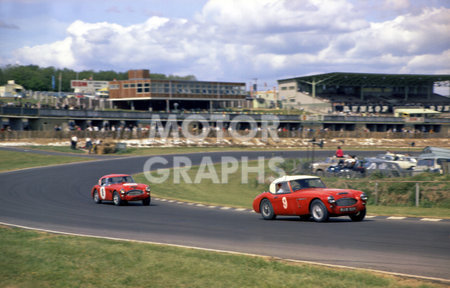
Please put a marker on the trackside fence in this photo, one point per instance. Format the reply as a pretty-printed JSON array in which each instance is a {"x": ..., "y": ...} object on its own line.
[
  {"x": 145, "y": 133},
  {"x": 416, "y": 193}
]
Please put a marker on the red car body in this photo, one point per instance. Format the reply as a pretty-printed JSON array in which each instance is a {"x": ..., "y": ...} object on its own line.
[
  {"x": 120, "y": 188},
  {"x": 306, "y": 196}
]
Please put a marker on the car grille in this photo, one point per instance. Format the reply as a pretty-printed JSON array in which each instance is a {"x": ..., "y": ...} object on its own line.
[
  {"x": 134, "y": 192},
  {"x": 346, "y": 202}
]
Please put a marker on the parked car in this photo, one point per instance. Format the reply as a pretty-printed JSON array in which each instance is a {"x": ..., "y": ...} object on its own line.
[
  {"x": 354, "y": 169},
  {"x": 404, "y": 161},
  {"x": 120, "y": 188},
  {"x": 384, "y": 168},
  {"x": 433, "y": 159},
  {"x": 319, "y": 168},
  {"x": 307, "y": 196}
]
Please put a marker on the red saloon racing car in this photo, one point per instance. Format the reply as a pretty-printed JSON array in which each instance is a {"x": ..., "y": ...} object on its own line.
[
  {"x": 120, "y": 188},
  {"x": 307, "y": 196}
]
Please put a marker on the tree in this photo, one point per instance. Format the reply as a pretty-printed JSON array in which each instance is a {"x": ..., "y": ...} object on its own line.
[{"x": 35, "y": 78}]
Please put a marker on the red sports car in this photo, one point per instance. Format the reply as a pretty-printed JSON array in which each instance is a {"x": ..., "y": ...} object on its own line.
[
  {"x": 120, "y": 188},
  {"x": 307, "y": 196}
]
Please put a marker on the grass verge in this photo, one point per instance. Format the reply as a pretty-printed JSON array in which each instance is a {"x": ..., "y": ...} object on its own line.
[
  {"x": 19, "y": 160},
  {"x": 209, "y": 185},
  {"x": 38, "y": 259}
]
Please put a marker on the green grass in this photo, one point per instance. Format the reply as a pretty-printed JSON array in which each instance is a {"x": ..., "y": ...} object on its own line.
[
  {"x": 37, "y": 259},
  {"x": 234, "y": 192},
  {"x": 18, "y": 160},
  {"x": 202, "y": 187},
  {"x": 443, "y": 213}
]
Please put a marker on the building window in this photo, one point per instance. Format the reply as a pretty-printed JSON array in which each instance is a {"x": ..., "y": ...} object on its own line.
[{"x": 283, "y": 88}]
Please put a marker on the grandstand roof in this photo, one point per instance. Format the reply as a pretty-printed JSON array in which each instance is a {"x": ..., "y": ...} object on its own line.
[{"x": 370, "y": 79}]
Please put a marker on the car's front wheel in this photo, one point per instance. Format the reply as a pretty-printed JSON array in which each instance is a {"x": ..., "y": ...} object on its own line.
[
  {"x": 97, "y": 197},
  {"x": 358, "y": 216},
  {"x": 318, "y": 211},
  {"x": 320, "y": 173},
  {"x": 267, "y": 210},
  {"x": 146, "y": 201},
  {"x": 116, "y": 199}
]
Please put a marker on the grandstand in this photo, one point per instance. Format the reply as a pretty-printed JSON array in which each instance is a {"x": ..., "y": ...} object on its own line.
[{"x": 338, "y": 91}]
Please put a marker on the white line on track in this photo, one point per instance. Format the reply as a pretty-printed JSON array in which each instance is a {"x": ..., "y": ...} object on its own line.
[
  {"x": 396, "y": 218},
  {"x": 447, "y": 281},
  {"x": 431, "y": 219}
]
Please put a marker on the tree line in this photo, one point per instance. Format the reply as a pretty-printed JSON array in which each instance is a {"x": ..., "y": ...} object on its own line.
[{"x": 35, "y": 78}]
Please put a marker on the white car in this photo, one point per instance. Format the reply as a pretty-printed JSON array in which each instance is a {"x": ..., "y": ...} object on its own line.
[{"x": 404, "y": 161}]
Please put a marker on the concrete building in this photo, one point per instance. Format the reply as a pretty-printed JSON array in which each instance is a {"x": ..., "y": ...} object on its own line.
[
  {"x": 140, "y": 92},
  {"x": 266, "y": 99},
  {"x": 11, "y": 89},
  {"x": 363, "y": 92}
]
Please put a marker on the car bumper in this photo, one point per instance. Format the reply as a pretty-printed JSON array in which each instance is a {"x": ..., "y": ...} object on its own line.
[
  {"x": 345, "y": 210},
  {"x": 138, "y": 197}
]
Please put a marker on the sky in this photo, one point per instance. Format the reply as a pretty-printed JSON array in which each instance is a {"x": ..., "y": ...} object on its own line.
[{"x": 247, "y": 41}]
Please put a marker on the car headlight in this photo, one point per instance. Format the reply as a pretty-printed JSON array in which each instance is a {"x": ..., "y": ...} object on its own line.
[
  {"x": 363, "y": 197},
  {"x": 122, "y": 191},
  {"x": 331, "y": 199},
  {"x": 147, "y": 189}
]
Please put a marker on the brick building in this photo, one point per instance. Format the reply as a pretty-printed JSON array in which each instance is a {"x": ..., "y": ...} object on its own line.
[{"x": 140, "y": 92}]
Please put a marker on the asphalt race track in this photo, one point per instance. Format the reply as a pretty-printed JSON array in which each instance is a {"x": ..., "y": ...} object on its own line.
[{"x": 58, "y": 198}]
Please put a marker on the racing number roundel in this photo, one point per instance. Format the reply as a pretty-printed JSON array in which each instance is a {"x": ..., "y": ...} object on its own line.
[
  {"x": 102, "y": 192},
  {"x": 285, "y": 203}
]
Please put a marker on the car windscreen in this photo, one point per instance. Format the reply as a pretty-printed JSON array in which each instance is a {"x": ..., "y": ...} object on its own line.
[
  {"x": 121, "y": 179},
  {"x": 306, "y": 183},
  {"x": 425, "y": 162}
]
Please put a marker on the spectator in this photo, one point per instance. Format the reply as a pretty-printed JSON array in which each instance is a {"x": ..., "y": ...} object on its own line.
[
  {"x": 89, "y": 145},
  {"x": 73, "y": 142},
  {"x": 339, "y": 152}
]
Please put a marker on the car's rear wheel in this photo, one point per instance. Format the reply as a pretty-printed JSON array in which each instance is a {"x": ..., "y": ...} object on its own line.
[
  {"x": 358, "y": 216},
  {"x": 97, "y": 197},
  {"x": 116, "y": 199},
  {"x": 146, "y": 201},
  {"x": 318, "y": 211},
  {"x": 267, "y": 210}
]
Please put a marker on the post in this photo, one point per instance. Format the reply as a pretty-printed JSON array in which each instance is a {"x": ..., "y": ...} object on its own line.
[
  {"x": 417, "y": 194},
  {"x": 376, "y": 193}
]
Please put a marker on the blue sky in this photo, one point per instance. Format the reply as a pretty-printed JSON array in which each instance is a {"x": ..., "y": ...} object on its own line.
[{"x": 229, "y": 40}]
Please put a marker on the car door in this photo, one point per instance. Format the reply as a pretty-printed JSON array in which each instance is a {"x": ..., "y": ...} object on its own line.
[
  {"x": 299, "y": 200},
  {"x": 105, "y": 189},
  {"x": 282, "y": 200}
]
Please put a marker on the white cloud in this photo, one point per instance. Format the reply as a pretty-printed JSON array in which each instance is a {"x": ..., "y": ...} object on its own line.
[
  {"x": 58, "y": 54},
  {"x": 268, "y": 39}
]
